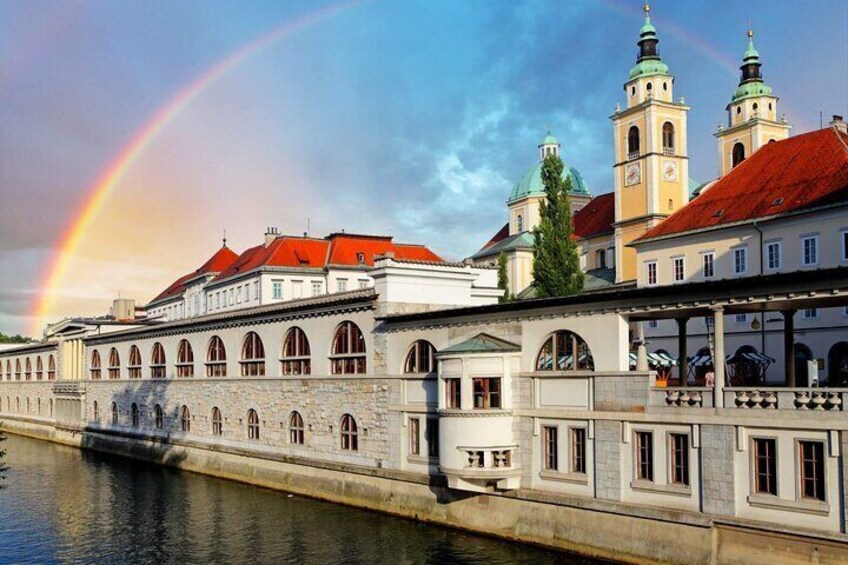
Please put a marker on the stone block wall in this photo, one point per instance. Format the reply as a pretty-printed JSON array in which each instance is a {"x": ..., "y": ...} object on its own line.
[
  {"x": 717, "y": 470},
  {"x": 27, "y": 399},
  {"x": 608, "y": 460},
  {"x": 622, "y": 392}
]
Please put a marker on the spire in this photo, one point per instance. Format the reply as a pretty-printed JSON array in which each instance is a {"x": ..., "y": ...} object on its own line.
[
  {"x": 549, "y": 145},
  {"x": 751, "y": 79},
  {"x": 648, "y": 60},
  {"x": 225, "y": 238}
]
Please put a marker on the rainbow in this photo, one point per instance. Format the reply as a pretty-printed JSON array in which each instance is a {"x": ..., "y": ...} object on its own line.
[{"x": 98, "y": 194}]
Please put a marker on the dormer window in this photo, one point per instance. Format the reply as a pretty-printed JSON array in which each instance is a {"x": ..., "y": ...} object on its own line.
[{"x": 360, "y": 257}]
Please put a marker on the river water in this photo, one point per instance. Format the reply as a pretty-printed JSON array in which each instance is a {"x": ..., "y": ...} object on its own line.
[{"x": 63, "y": 505}]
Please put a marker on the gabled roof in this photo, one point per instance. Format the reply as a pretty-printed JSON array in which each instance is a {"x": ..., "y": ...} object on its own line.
[
  {"x": 219, "y": 261},
  {"x": 596, "y": 217},
  {"x": 523, "y": 240},
  {"x": 284, "y": 251},
  {"x": 481, "y": 343},
  {"x": 804, "y": 172},
  {"x": 345, "y": 250},
  {"x": 503, "y": 233}
]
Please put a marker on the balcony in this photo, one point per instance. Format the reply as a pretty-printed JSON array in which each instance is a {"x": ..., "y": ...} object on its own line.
[{"x": 632, "y": 156}]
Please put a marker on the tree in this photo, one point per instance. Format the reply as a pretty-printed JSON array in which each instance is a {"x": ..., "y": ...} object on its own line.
[
  {"x": 503, "y": 279},
  {"x": 13, "y": 338},
  {"x": 556, "y": 266}
]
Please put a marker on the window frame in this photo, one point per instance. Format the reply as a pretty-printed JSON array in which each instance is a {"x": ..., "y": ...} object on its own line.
[
  {"x": 185, "y": 360},
  {"x": 643, "y": 455},
  {"x": 679, "y": 460},
  {"x": 453, "y": 393},
  {"x": 158, "y": 362},
  {"x": 490, "y": 397},
  {"x": 819, "y": 470},
  {"x": 651, "y": 278},
  {"x": 297, "y": 429},
  {"x": 185, "y": 419},
  {"x": 814, "y": 238},
  {"x": 415, "y": 358},
  {"x": 771, "y": 474},
  {"x": 737, "y": 252},
  {"x": 778, "y": 245},
  {"x": 252, "y": 361},
  {"x": 578, "y": 440},
  {"x": 134, "y": 362},
  {"x": 158, "y": 417},
  {"x": 349, "y": 432},
  {"x": 253, "y": 427},
  {"x": 114, "y": 368},
  {"x": 681, "y": 261},
  {"x": 550, "y": 447},
  {"x": 217, "y": 422},
  {"x": 708, "y": 270},
  {"x": 345, "y": 355},
  {"x": 296, "y": 357},
  {"x": 94, "y": 367},
  {"x": 217, "y": 366},
  {"x": 414, "y": 425}
]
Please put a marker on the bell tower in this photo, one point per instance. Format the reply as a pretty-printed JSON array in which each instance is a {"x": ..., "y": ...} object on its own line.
[
  {"x": 651, "y": 166},
  {"x": 751, "y": 115}
]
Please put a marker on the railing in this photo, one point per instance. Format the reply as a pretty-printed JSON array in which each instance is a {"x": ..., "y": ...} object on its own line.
[
  {"x": 669, "y": 151},
  {"x": 68, "y": 387},
  {"x": 633, "y": 155},
  {"x": 778, "y": 398},
  {"x": 488, "y": 457},
  {"x": 683, "y": 397}
]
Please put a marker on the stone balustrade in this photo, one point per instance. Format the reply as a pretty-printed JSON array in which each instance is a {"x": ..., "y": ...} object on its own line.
[
  {"x": 780, "y": 398},
  {"x": 682, "y": 397}
]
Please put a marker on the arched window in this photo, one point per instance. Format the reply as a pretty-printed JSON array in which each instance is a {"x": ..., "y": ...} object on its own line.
[
  {"x": 738, "y": 154},
  {"x": 134, "y": 414},
  {"x": 668, "y": 138},
  {"x": 17, "y": 369},
  {"x": 185, "y": 419},
  {"x": 802, "y": 354},
  {"x": 51, "y": 368},
  {"x": 519, "y": 223},
  {"x": 39, "y": 407},
  {"x": 252, "y": 424},
  {"x": 837, "y": 364},
  {"x": 39, "y": 369},
  {"x": 649, "y": 87},
  {"x": 296, "y": 429},
  {"x": 252, "y": 356},
  {"x": 565, "y": 351},
  {"x": 28, "y": 369},
  {"x": 94, "y": 369},
  {"x": 216, "y": 358},
  {"x": 348, "y": 354},
  {"x": 158, "y": 417},
  {"x": 134, "y": 365},
  {"x": 350, "y": 434},
  {"x": 296, "y": 353},
  {"x": 8, "y": 370},
  {"x": 114, "y": 413},
  {"x": 17, "y": 404},
  {"x": 96, "y": 409},
  {"x": 420, "y": 358},
  {"x": 217, "y": 422},
  {"x": 28, "y": 405},
  {"x": 633, "y": 143},
  {"x": 114, "y": 364},
  {"x": 51, "y": 407},
  {"x": 185, "y": 360},
  {"x": 157, "y": 362}
]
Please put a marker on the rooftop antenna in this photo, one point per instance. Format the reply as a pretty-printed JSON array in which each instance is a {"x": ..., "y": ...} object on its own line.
[
  {"x": 308, "y": 225},
  {"x": 225, "y": 237}
]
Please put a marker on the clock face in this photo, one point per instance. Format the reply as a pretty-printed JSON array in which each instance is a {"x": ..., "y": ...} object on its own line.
[
  {"x": 669, "y": 170},
  {"x": 632, "y": 174}
]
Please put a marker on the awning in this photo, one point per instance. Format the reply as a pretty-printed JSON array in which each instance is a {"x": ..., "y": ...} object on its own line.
[
  {"x": 700, "y": 360},
  {"x": 655, "y": 359},
  {"x": 757, "y": 357}
]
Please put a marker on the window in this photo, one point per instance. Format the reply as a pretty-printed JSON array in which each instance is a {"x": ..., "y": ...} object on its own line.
[
  {"x": 709, "y": 265},
  {"x": 363, "y": 284},
  {"x": 420, "y": 358},
  {"x": 741, "y": 318},
  {"x": 740, "y": 260},
  {"x": 845, "y": 245},
  {"x": 653, "y": 324},
  {"x": 51, "y": 368},
  {"x": 519, "y": 223},
  {"x": 114, "y": 413},
  {"x": 296, "y": 429},
  {"x": 297, "y": 289},
  {"x": 341, "y": 285},
  {"x": 185, "y": 360},
  {"x": 651, "y": 272},
  {"x": 350, "y": 435},
  {"x": 238, "y": 295},
  {"x": 114, "y": 364},
  {"x": 256, "y": 290},
  {"x": 17, "y": 369},
  {"x": 645, "y": 456},
  {"x": 348, "y": 353},
  {"x": 252, "y": 424},
  {"x": 134, "y": 365},
  {"x": 565, "y": 351},
  {"x": 217, "y": 422},
  {"x": 551, "y": 445},
  {"x": 296, "y": 353},
  {"x": 773, "y": 255},
  {"x": 252, "y": 356},
  {"x": 28, "y": 369},
  {"x": 432, "y": 432},
  {"x": 633, "y": 143},
  {"x": 158, "y": 417},
  {"x": 95, "y": 407},
  {"x": 39, "y": 368},
  {"x": 811, "y": 313},
  {"x": 811, "y": 461},
  {"x": 601, "y": 259},
  {"x": 452, "y": 393},
  {"x": 415, "y": 436},
  {"x": 668, "y": 138},
  {"x": 738, "y": 154},
  {"x": 232, "y": 297},
  {"x": 679, "y": 459},
  {"x": 487, "y": 392},
  {"x": 185, "y": 419},
  {"x": 810, "y": 250},
  {"x": 316, "y": 289},
  {"x": 679, "y": 266},
  {"x": 578, "y": 450},
  {"x": 216, "y": 358},
  {"x": 157, "y": 362},
  {"x": 765, "y": 466},
  {"x": 134, "y": 414},
  {"x": 94, "y": 369}
]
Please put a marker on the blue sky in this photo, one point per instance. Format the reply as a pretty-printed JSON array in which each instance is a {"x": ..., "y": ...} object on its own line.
[{"x": 409, "y": 118}]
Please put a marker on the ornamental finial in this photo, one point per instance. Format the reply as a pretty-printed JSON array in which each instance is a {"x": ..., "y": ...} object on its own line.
[{"x": 647, "y": 8}]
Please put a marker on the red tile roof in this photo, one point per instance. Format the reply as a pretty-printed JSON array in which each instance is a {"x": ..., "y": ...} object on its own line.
[
  {"x": 345, "y": 249},
  {"x": 282, "y": 252},
  {"x": 220, "y": 261},
  {"x": 803, "y": 172},
  {"x": 596, "y": 217}
]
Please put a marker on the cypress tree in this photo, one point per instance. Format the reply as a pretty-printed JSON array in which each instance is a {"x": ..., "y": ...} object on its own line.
[
  {"x": 503, "y": 279},
  {"x": 556, "y": 265}
]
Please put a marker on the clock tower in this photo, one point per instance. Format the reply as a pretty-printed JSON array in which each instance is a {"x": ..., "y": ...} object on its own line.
[
  {"x": 651, "y": 164},
  {"x": 751, "y": 115}
]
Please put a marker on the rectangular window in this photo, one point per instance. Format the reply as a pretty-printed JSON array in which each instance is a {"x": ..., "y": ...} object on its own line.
[
  {"x": 651, "y": 272},
  {"x": 316, "y": 289},
  {"x": 653, "y": 324},
  {"x": 679, "y": 459},
  {"x": 414, "y": 436},
  {"x": 256, "y": 290},
  {"x": 452, "y": 393},
  {"x": 740, "y": 260},
  {"x": 645, "y": 456},
  {"x": 845, "y": 245},
  {"x": 297, "y": 289},
  {"x": 277, "y": 290},
  {"x": 578, "y": 450},
  {"x": 811, "y": 313},
  {"x": 487, "y": 392},
  {"x": 232, "y": 296},
  {"x": 811, "y": 460},
  {"x": 773, "y": 255},
  {"x": 432, "y": 437},
  {"x": 810, "y": 250},
  {"x": 238, "y": 295},
  {"x": 741, "y": 318},
  {"x": 765, "y": 466},
  {"x": 679, "y": 269},
  {"x": 363, "y": 284},
  {"x": 709, "y": 265},
  {"x": 551, "y": 444},
  {"x": 341, "y": 284}
]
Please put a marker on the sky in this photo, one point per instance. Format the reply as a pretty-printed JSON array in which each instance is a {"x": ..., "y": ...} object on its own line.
[{"x": 413, "y": 119}]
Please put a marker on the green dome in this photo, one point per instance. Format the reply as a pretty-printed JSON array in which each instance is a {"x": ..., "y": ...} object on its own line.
[
  {"x": 549, "y": 140},
  {"x": 751, "y": 89},
  {"x": 531, "y": 182},
  {"x": 648, "y": 67}
]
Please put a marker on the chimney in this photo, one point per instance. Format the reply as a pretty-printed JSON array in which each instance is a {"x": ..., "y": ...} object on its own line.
[
  {"x": 123, "y": 309},
  {"x": 270, "y": 235},
  {"x": 839, "y": 123}
]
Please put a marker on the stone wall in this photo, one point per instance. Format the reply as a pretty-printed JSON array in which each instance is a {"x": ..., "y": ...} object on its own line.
[
  {"x": 27, "y": 399},
  {"x": 608, "y": 460},
  {"x": 717, "y": 469},
  {"x": 627, "y": 392}
]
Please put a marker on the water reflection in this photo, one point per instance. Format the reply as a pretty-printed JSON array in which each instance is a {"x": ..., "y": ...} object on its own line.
[{"x": 67, "y": 506}]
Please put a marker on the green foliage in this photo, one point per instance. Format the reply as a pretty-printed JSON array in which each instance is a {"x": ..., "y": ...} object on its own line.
[
  {"x": 13, "y": 338},
  {"x": 503, "y": 279},
  {"x": 556, "y": 265}
]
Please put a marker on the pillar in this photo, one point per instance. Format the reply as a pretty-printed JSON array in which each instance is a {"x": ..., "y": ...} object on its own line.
[
  {"x": 682, "y": 352},
  {"x": 718, "y": 358},
  {"x": 789, "y": 346},
  {"x": 641, "y": 351}
]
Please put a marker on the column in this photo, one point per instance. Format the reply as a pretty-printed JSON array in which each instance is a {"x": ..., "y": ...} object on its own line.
[
  {"x": 682, "y": 352},
  {"x": 789, "y": 346},
  {"x": 641, "y": 351},
  {"x": 718, "y": 359}
]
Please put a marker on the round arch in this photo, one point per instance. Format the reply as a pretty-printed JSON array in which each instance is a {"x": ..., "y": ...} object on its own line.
[{"x": 837, "y": 364}]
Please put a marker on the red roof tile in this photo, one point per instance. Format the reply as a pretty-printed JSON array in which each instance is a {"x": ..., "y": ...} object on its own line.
[
  {"x": 803, "y": 172},
  {"x": 220, "y": 261},
  {"x": 345, "y": 250},
  {"x": 596, "y": 217}
]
